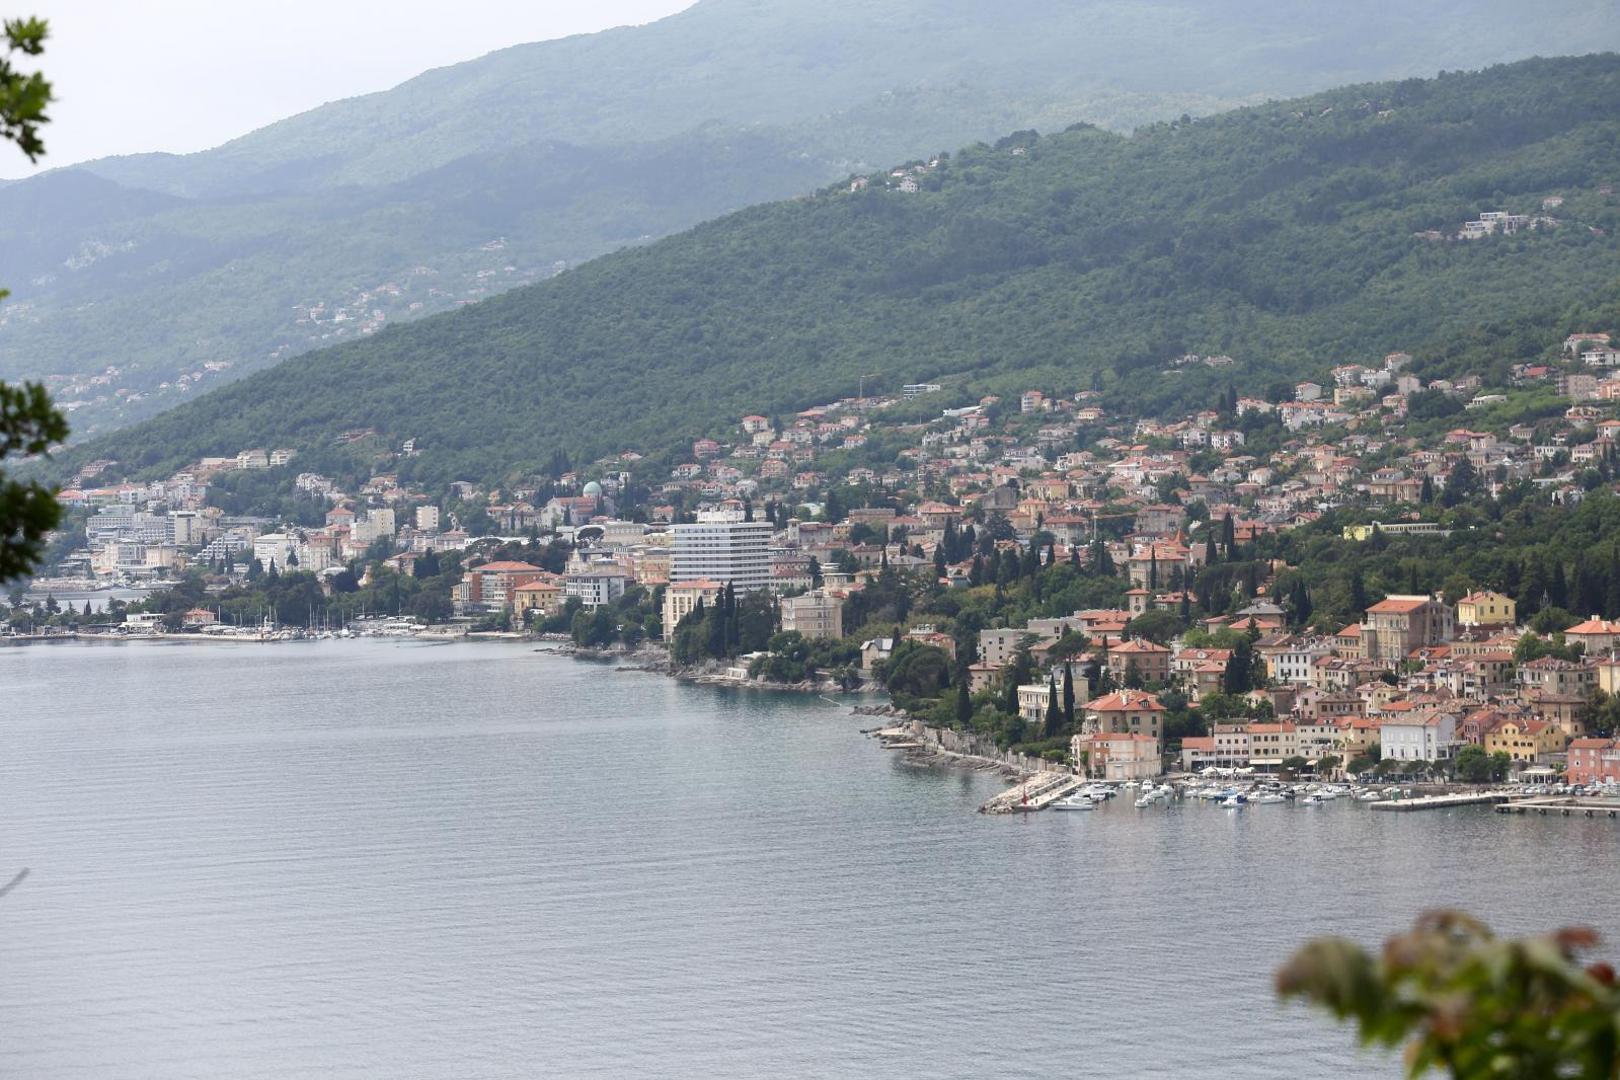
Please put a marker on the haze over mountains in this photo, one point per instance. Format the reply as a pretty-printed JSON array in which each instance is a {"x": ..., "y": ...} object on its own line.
[
  {"x": 472, "y": 179},
  {"x": 1290, "y": 236}
]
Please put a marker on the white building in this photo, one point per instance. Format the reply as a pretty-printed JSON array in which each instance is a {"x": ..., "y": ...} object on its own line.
[
  {"x": 272, "y": 549},
  {"x": 596, "y": 587},
  {"x": 723, "y": 547},
  {"x": 1429, "y": 737},
  {"x": 427, "y": 518},
  {"x": 1297, "y": 663}
]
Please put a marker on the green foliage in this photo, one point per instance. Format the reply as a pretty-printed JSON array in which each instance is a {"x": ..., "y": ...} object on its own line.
[
  {"x": 1469, "y": 1003},
  {"x": 1280, "y": 234},
  {"x": 28, "y": 510},
  {"x": 917, "y": 670},
  {"x": 23, "y": 95},
  {"x": 732, "y": 626},
  {"x": 1474, "y": 766},
  {"x": 571, "y": 148},
  {"x": 29, "y": 424}
]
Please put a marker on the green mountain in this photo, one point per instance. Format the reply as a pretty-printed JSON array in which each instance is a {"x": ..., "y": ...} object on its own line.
[
  {"x": 180, "y": 273},
  {"x": 1291, "y": 236}
]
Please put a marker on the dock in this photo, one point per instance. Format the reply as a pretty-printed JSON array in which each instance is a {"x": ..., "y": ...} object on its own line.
[
  {"x": 1563, "y": 806},
  {"x": 1036, "y": 793},
  {"x": 1441, "y": 802}
]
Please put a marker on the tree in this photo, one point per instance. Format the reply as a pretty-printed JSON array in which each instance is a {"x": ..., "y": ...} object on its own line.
[
  {"x": 1472, "y": 765},
  {"x": 964, "y": 703},
  {"x": 1054, "y": 712},
  {"x": 1238, "y": 677},
  {"x": 1068, "y": 696},
  {"x": 1462, "y": 483},
  {"x": 29, "y": 424},
  {"x": 1469, "y": 1003}
]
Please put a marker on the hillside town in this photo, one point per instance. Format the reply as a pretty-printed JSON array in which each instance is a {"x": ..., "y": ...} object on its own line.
[{"x": 817, "y": 509}]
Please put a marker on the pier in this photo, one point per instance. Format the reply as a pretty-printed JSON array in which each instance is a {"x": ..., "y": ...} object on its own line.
[
  {"x": 1036, "y": 793},
  {"x": 1563, "y": 806},
  {"x": 1441, "y": 802}
]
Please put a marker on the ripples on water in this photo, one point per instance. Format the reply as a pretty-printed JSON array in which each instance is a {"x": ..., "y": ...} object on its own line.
[{"x": 366, "y": 859}]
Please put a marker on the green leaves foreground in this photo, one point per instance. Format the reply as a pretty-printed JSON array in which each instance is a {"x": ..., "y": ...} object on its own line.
[
  {"x": 23, "y": 96},
  {"x": 28, "y": 425},
  {"x": 1468, "y": 1002}
]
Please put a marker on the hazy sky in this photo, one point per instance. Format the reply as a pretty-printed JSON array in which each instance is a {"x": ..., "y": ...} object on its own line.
[{"x": 180, "y": 75}]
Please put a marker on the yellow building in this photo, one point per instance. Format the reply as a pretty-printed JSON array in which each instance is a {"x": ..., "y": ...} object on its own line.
[
  {"x": 1524, "y": 740},
  {"x": 1487, "y": 609},
  {"x": 544, "y": 596}
]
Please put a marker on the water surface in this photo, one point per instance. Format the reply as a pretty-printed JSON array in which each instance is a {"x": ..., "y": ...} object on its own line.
[{"x": 364, "y": 859}]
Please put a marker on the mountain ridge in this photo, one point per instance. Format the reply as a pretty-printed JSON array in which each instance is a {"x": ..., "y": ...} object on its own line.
[
  {"x": 1292, "y": 236},
  {"x": 312, "y": 213}
]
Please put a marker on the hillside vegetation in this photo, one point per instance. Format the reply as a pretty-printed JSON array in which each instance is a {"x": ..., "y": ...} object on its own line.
[
  {"x": 472, "y": 179},
  {"x": 1285, "y": 236}
]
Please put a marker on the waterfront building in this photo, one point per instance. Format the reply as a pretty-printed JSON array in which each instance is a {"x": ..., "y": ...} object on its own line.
[
  {"x": 1429, "y": 736},
  {"x": 721, "y": 546},
  {"x": 595, "y": 587},
  {"x": 682, "y": 598},
  {"x": 1525, "y": 741},
  {"x": 490, "y": 586},
  {"x": 1593, "y": 761},
  {"x": 1126, "y": 712},
  {"x": 544, "y": 596},
  {"x": 1117, "y": 757},
  {"x": 814, "y": 614}
]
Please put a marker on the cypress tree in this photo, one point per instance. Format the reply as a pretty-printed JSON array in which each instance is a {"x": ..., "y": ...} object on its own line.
[
  {"x": 1068, "y": 695},
  {"x": 1054, "y": 715},
  {"x": 964, "y": 704},
  {"x": 1558, "y": 587}
]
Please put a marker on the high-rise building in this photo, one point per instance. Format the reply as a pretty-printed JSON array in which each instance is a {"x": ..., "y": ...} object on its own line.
[{"x": 722, "y": 547}]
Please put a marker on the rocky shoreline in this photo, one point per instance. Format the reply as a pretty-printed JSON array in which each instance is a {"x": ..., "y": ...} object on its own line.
[{"x": 652, "y": 659}]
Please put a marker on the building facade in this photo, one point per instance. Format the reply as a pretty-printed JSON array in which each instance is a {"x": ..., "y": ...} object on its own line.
[{"x": 722, "y": 547}]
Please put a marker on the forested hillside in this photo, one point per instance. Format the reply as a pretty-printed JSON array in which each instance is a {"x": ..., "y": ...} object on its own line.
[
  {"x": 1289, "y": 236},
  {"x": 156, "y": 277}
]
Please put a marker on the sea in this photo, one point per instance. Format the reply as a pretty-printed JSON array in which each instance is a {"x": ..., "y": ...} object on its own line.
[{"x": 397, "y": 859}]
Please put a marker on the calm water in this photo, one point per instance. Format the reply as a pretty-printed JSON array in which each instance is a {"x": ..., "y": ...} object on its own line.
[{"x": 378, "y": 860}]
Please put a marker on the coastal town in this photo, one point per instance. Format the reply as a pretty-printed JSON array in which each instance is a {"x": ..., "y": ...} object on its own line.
[{"x": 844, "y": 545}]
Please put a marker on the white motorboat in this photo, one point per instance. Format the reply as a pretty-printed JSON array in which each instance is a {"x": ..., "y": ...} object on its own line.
[
  {"x": 1268, "y": 799},
  {"x": 1313, "y": 800},
  {"x": 1368, "y": 796},
  {"x": 1074, "y": 802}
]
